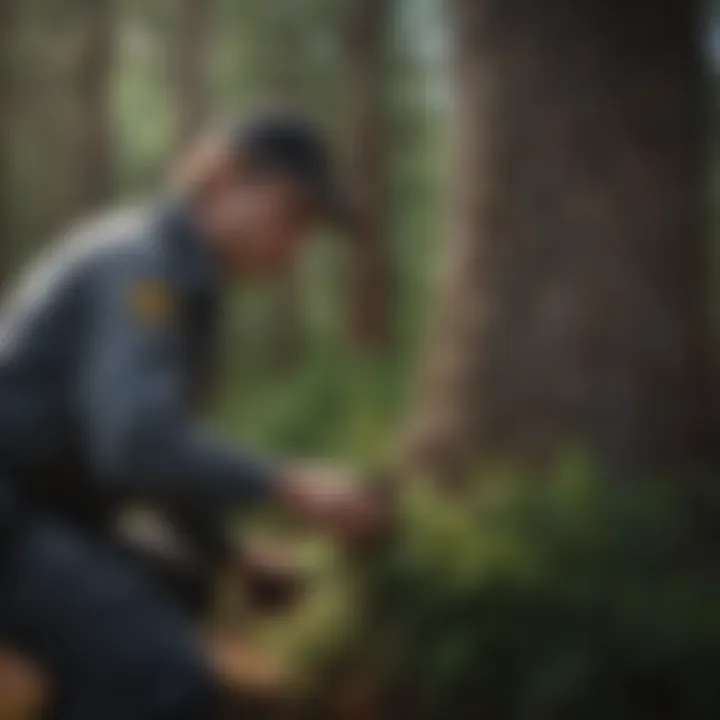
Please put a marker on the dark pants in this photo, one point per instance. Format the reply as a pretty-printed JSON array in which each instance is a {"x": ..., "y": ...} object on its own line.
[{"x": 115, "y": 648}]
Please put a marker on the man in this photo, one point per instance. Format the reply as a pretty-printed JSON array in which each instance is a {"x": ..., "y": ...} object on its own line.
[{"x": 103, "y": 348}]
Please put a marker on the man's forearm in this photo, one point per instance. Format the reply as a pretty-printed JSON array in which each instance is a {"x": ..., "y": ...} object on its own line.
[{"x": 194, "y": 469}]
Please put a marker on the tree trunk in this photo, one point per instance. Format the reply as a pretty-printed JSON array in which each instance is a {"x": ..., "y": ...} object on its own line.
[
  {"x": 573, "y": 309},
  {"x": 7, "y": 16},
  {"x": 285, "y": 75},
  {"x": 94, "y": 64},
  {"x": 190, "y": 68},
  {"x": 367, "y": 50}
]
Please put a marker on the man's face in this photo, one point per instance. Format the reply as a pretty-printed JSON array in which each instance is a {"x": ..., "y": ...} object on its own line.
[{"x": 260, "y": 223}]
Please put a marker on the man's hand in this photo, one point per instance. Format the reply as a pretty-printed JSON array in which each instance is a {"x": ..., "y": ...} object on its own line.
[
  {"x": 246, "y": 671},
  {"x": 331, "y": 499},
  {"x": 273, "y": 580}
]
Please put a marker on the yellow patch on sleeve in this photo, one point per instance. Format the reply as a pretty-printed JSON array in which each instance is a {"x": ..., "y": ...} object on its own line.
[{"x": 150, "y": 301}]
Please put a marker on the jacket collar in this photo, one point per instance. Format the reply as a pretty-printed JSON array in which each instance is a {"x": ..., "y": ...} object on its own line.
[{"x": 191, "y": 262}]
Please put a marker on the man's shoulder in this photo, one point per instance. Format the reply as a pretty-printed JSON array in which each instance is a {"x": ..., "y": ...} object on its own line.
[
  {"x": 116, "y": 236},
  {"x": 122, "y": 237},
  {"x": 92, "y": 251}
]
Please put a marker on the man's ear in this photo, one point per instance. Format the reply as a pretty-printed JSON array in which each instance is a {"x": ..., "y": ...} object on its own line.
[{"x": 207, "y": 165}]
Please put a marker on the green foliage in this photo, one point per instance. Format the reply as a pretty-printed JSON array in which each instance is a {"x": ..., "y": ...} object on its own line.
[
  {"x": 331, "y": 405},
  {"x": 568, "y": 598}
]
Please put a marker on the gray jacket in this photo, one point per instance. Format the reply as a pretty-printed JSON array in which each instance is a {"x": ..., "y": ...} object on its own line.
[{"x": 102, "y": 345}]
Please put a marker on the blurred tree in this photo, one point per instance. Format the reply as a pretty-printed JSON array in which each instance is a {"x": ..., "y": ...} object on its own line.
[
  {"x": 284, "y": 71},
  {"x": 96, "y": 25},
  {"x": 145, "y": 111},
  {"x": 45, "y": 133},
  {"x": 54, "y": 122},
  {"x": 573, "y": 305},
  {"x": 190, "y": 67},
  {"x": 368, "y": 59},
  {"x": 7, "y": 30}
]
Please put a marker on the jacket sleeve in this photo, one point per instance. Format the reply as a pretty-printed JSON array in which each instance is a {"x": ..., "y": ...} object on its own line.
[{"x": 135, "y": 423}]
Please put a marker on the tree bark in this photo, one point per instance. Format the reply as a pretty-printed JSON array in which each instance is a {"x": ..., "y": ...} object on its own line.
[
  {"x": 7, "y": 17},
  {"x": 285, "y": 74},
  {"x": 367, "y": 54},
  {"x": 190, "y": 68},
  {"x": 573, "y": 306},
  {"x": 94, "y": 117}
]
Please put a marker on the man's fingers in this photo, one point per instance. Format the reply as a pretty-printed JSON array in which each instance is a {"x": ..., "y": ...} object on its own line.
[{"x": 247, "y": 671}]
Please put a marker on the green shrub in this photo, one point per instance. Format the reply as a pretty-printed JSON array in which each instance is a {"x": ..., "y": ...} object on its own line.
[{"x": 562, "y": 598}]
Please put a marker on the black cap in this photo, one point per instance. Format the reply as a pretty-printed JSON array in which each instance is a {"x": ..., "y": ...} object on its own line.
[{"x": 291, "y": 143}]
